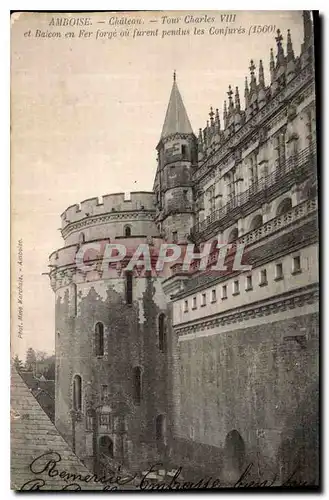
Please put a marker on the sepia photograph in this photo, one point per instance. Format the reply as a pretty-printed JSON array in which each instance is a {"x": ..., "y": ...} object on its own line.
[{"x": 164, "y": 251}]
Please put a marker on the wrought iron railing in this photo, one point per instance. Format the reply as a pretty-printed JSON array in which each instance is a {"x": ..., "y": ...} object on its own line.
[
  {"x": 267, "y": 229},
  {"x": 285, "y": 171}
]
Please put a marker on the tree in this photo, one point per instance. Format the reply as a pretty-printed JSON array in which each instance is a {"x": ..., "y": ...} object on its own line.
[
  {"x": 18, "y": 363},
  {"x": 30, "y": 361},
  {"x": 40, "y": 355}
]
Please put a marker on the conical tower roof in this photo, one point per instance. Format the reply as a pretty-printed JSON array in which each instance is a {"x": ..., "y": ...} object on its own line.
[{"x": 176, "y": 121}]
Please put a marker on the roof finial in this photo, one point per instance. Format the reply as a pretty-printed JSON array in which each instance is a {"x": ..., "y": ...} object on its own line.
[
  {"x": 230, "y": 99},
  {"x": 211, "y": 114},
  {"x": 280, "y": 54},
  {"x": 174, "y": 75}
]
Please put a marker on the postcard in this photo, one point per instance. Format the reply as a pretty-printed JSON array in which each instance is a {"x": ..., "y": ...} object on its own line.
[{"x": 164, "y": 251}]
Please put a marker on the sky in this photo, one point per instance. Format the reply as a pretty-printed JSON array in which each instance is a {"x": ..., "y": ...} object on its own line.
[{"x": 87, "y": 114}]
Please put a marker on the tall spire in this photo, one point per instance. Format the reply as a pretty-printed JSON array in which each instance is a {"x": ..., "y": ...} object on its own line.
[
  {"x": 307, "y": 28},
  {"x": 290, "y": 51},
  {"x": 261, "y": 75},
  {"x": 246, "y": 93},
  {"x": 225, "y": 114},
  {"x": 211, "y": 114},
  {"x": 253, "y": 83},
  {"x": 272, "y": 65},
  {"x": 237, "y": 100},
  {"x": 176, "y": 120},
  {"x": 230, "y": 99}
]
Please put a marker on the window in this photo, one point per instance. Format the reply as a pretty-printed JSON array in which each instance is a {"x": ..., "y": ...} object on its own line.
[
  {"x": 104, "y": 392},
  {"x": 185, "y": 306},
  {"x": 213, "y": 295},
  {"x": 263, "y": 278},
  {"x": 81, "y": 238},
  {"x": 256, "y": 222},
  {"x": 77, "y": 393},
  {"x": 203, "y": 300},
  {"x": 129, "y": 287},
  {"x": 194, "y": 303},
  {"x": 296, "y": 268},
  {"x": 224, "y": 292},
  {"x": 236, "y": 287},
  {"x": 137, "y": 384},
  {"x": 89, "y": 421},
  {"x": 160, "y": 423},
  {"x": 174, "y": 236},
  {"x": 184, "y": 151},
  {"x": 234, "y": 234},
  {"x": 162, "y": 327},
  {"x": 99, "y": 339},
  {"x": 278, "y": 271},
  {"x": 249, "y": 282},
  {"x": 105, "y": 420},
  {"x": 127, "y": 231},
  {"x": 281, "y": 148}
]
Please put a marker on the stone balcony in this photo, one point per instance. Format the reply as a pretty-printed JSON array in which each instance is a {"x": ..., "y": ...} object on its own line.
[
  {"x": 280, "y": 222},
  {"x": 288, "y": 172}
]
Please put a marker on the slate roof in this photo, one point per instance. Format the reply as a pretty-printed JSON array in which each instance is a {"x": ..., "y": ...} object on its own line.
[
  {"x": 176, "y": 120},
  {"x": 33, "y": 434}
]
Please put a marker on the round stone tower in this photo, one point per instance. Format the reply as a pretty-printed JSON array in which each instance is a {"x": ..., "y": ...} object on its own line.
[
  {"x": 177, "y": 157},
  {"x": 112, "y": 340}
]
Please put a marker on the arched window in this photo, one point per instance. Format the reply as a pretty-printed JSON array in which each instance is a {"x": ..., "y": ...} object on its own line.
[
  {"x": 235, "y": 450},
  {"x": 256, "y": 222},
  {"x": 99, "y": 339},
  {"x": 160, "y": 428},
  {"x": 233, "y": 235},
  {"x": 284, "y": 206},
  {"x": 137, "y": 384},
  {"x": 77, "y": 392},
  {"x": 81, "y": 238},
  {"x": 127, "y": 231},
  {"x": 162, "y": 328},
  {"x": 106, "y": 446},
  {"x": 129, "y": 287}
]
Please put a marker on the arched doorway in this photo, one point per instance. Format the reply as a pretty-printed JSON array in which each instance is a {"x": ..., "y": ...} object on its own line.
[
  {"x": 106, "y": 446},
  {"x": 234, "y": 451}
]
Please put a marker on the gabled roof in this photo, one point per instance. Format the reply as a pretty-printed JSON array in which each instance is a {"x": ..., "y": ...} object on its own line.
[
  {"x": 176, "y": 120},
  {"x": 33, "y": 434}
]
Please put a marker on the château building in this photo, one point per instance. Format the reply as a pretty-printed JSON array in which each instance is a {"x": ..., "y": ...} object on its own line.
[{"x": 211, "y": 371}]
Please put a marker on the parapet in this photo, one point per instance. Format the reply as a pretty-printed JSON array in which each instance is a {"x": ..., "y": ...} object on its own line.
[{"x": 117, "y": 202}]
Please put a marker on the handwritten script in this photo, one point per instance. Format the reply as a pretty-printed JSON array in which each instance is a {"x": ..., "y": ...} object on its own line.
[{"x": 48, "y": 465}]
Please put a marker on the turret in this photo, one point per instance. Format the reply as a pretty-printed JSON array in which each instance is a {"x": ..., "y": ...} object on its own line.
[{"x": 177, "y": 157}]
